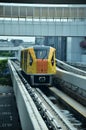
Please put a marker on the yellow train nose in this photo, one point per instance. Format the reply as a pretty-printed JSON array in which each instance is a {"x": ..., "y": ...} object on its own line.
[{"x": 42, "y": 66}]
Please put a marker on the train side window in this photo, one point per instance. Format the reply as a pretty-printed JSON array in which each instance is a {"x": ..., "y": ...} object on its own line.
[
  {"x": 25, "y": 60},
  {"x": 21, "y": 58},
  {"x": 52, "y": 60},
  {"x": 31, "y": 60},
  {"x": 25, "y": 55}
]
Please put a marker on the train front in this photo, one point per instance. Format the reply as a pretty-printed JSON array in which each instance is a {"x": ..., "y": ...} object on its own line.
[{"x": 45, "y": 66}]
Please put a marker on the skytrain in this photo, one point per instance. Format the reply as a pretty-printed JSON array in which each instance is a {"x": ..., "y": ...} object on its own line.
[{"x": 38, "y": 64}]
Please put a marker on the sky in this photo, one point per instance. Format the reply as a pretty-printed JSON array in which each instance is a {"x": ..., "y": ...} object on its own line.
[{"x": 25, "y": 39}]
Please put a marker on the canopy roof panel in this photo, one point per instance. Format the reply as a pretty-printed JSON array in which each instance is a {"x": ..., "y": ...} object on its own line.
[{"x": 42, "y": 11}]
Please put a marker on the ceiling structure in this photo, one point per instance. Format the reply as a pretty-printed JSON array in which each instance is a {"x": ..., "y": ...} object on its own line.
[
  {"x": 38, "y": 11},
  {"x": 45, "y": 1}
]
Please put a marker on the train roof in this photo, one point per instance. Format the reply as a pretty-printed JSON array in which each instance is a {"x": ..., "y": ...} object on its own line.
[{"x": 39, "y": 47}]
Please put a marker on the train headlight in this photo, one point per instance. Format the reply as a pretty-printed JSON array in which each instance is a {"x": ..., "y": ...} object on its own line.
[{"x": 42, "y": 79}]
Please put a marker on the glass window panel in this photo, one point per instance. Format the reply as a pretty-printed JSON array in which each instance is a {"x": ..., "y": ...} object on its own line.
[
  {"x": 7, "y": 11},
  {"x": 44, "y": 12},
  {"x": 1, "y": 11},
  {"x": 51, "y": 13},
  {"x": 82, "y": 12},
  {"x": 15, "y": 11},
  {"x": 36, "y": 12},
  {"x": 66, "y": 13},
  {"x": 41, "y": 53},
  {"x": 23, "y": 12},
  {"x": 73, "y": 13},
  {"x": 29, "y": 12},
  {"x": 58, "y": 12}
]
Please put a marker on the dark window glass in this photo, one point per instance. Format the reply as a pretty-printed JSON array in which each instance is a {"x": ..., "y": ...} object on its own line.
[
  {"x": 41, "y": 53},
  {"x": 52, "y": 60},
  {"x": 31, "y": 60}
]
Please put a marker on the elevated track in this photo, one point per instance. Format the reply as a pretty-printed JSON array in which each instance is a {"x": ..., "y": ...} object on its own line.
[
  {"x": 73, "y": 80},
  {"x": 29, "y": 116},
  {"x": 70, "y": 68},
  {"x": 28, "y": 110}
]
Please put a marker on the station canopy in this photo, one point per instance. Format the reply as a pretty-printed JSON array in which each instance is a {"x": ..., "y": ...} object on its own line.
[{"x": 42, "y": 11}]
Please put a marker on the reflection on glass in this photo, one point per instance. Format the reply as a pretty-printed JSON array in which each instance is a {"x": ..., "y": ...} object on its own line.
[{"x": 41, "y": 53}]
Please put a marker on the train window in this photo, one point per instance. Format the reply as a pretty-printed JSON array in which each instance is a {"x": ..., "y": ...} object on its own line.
[
  {"x": 31, "y": 60},
  {"x": 25, "y": 55},
  {"x": 25, "y": 60},
  {"x": 41, "y": 53},
  {"x": 21, "y": 58},
  {"x": 52, "y": 60}
]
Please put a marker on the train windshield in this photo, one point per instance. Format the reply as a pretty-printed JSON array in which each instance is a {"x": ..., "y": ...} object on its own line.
[{"x": 41, "y": 53}]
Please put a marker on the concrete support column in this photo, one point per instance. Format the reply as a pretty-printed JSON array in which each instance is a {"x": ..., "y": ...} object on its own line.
[
  {"x": 17, "y": 54},
  {"x": 74, "y": 51}
]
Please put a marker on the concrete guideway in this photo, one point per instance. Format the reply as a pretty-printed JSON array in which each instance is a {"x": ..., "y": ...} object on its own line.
[
  {"x": 29, "y": 115},
  {"x": 73, "y": 83},
  {"x": 70, "y": 68},
  {"x": 71, "y": 102},
  {"x": 26, "y": 106},
  {"x": 74, "y": 79},
  {"x": 9, "y": 48}
]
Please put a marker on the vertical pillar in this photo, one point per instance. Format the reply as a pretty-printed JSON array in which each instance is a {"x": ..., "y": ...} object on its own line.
[{"x": 17, "y": 54}]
